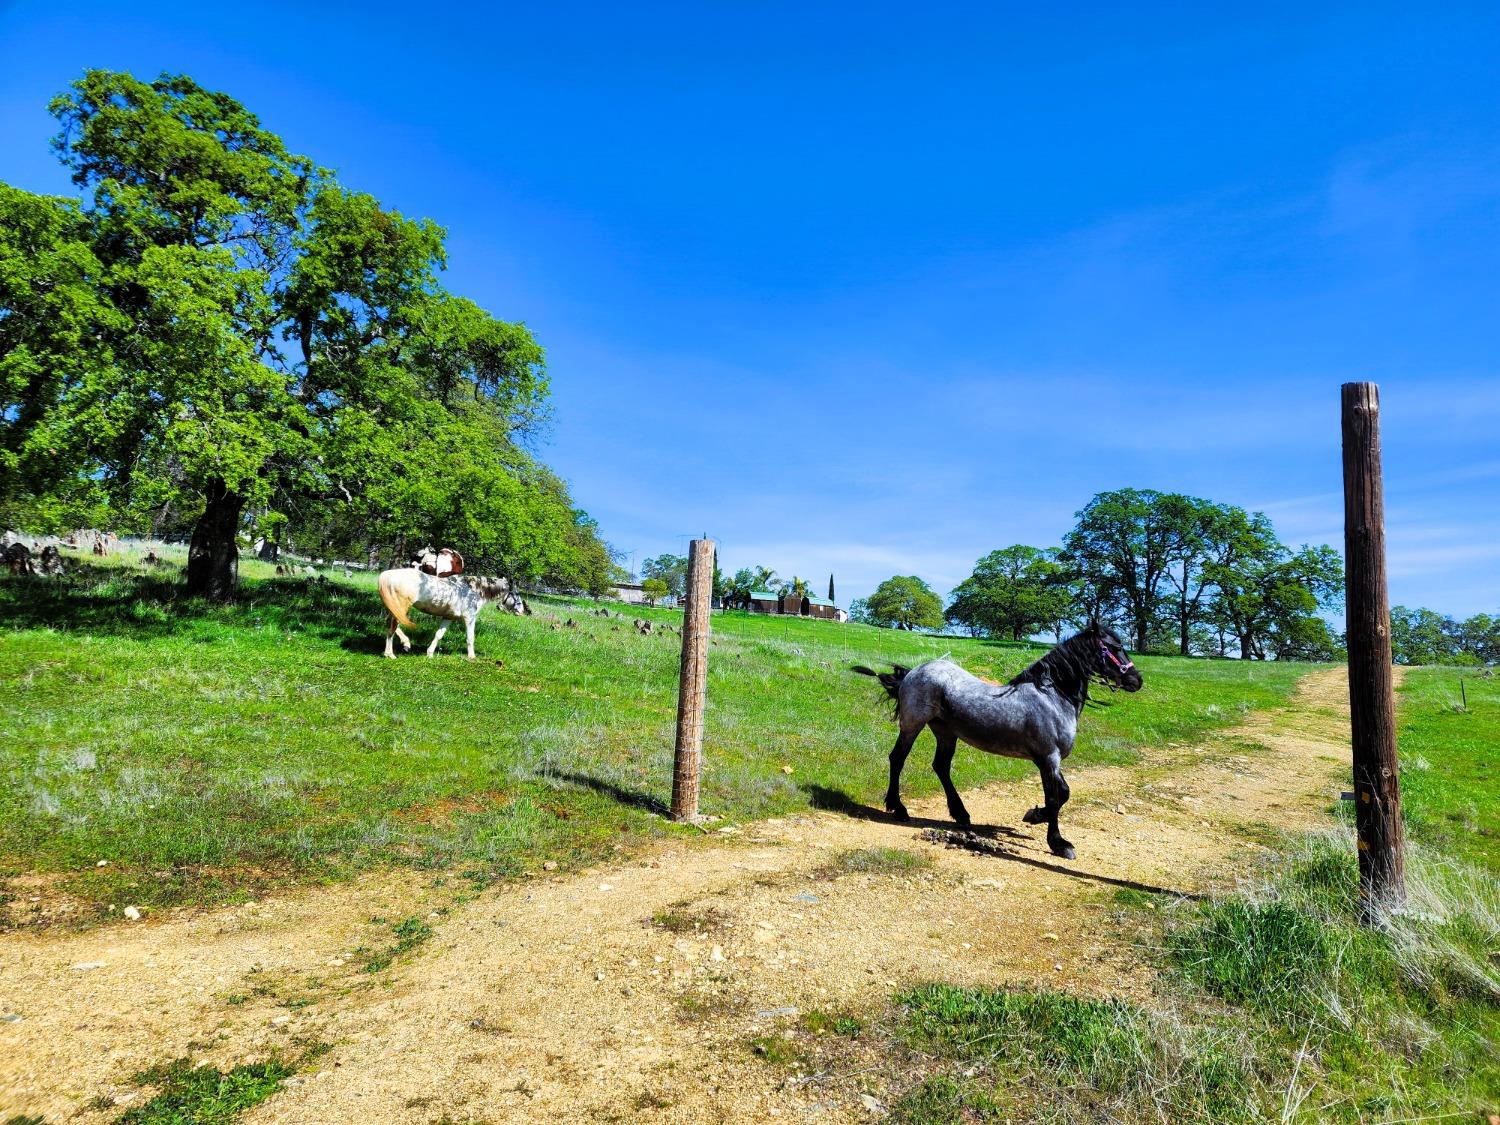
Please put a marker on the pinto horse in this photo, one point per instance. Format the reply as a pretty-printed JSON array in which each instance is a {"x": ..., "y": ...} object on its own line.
[
  {"x": 1034, "y": 716},
  {"x": 454, "y": 599}
]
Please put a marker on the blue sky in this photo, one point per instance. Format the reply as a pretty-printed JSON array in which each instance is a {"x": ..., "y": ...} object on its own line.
[{"x": 875, "y": 289}]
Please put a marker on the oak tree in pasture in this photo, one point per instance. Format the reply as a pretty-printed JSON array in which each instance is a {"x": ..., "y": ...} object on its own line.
[
  {"x": 1268, "y": 596},
  {"x": 671, "y": 569},
  {"x": 1013, "y": 592},
  {"x": 219, "y": 332},
  {"x": 904, "y": 602},
  {"x": 654, "y": 589},
  {"x": 1479, "y": 638},
  {"x": 1132, "y": 537}
]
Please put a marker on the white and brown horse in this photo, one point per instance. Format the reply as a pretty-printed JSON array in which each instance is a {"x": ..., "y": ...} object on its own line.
[{"x": 453, "y": 599}]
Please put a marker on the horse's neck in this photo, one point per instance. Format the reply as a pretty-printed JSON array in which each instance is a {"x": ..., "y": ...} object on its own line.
[{"x": 1068, "y": 682}]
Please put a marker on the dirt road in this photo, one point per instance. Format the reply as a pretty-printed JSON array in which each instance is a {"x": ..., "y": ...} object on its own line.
[{"x": 559, "y": 999}]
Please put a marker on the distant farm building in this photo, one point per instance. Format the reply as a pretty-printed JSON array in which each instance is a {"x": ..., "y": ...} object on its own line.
[{"x": 793, "y": 605}]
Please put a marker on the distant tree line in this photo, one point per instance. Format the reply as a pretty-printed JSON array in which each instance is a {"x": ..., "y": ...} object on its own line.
[
  {"x": 1423, "y": 636},
  {"x": 220, "y": 340},
  {"x": 1178, "y": 573}
]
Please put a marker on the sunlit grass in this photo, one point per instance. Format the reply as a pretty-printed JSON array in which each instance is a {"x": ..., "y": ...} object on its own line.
[{"x": 204, "y": 751}]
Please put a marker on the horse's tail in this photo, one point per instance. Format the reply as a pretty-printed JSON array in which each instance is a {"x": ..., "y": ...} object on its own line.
[
  {"x": 891, "y": 680},
  {"x": 397, "y": 601}
]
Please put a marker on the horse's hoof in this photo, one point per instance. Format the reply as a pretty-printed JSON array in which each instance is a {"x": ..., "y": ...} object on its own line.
[
  {"x": 1034, "y": 816},
  {"x": 961, "y": 819},
  {"x": 899, "y": 812},
  {"x": 1063, "y": 849}
]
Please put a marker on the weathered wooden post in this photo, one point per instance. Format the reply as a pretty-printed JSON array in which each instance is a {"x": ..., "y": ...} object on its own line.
[
  {"x": 1377, "y": 788},
  {"x": 693, "y": 680}
]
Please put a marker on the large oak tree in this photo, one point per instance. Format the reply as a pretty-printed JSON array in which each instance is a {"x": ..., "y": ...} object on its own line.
[{"x": 220, "y": 332}]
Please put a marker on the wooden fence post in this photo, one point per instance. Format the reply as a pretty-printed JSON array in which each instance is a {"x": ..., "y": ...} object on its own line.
[
  {"x": 1377, "y": 787},
  {"x": 693, "y": 680}
]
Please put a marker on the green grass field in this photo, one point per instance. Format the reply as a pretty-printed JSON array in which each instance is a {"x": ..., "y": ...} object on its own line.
[
  {"x": 1450, "y": 762},
  {"x": 205, "y": 752}
]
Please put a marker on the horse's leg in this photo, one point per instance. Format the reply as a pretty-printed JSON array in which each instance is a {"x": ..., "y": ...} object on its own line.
[
  {"x": 1057, "y": 795},
  {"x": 391, "y": 629},
  {"x": 1041, "y": 814},
  {"x": 899, "y": 752},
  {"x": 469, "y": 628},
  {"x": 432, "y": 648},
  {"x": 942, "y": 765},
  {"x": 403, "y": 638}
]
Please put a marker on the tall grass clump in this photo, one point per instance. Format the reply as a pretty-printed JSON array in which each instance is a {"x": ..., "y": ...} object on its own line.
[
  {"x": 1359, "y": 1023},
  {"x": 1278, "y": 1006},
  {"x": 1051, "y": 1056}
]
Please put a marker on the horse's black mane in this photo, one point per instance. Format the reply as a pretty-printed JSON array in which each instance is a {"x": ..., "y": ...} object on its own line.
[{"x": 1067, "y": 668}]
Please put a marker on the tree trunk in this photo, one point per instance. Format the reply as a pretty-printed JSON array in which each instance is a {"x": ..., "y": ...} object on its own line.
[
  {"x": 213, "y": 557},
  {"x": 1183, "y": 613},
  {"x": 1247, "y": 646}
]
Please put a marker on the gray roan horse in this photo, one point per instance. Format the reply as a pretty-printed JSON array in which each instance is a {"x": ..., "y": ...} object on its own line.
[{"x": 1034, "y": 716}]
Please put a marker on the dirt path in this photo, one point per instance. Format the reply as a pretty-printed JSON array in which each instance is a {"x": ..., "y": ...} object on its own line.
[{"x": 558, "y": 999}]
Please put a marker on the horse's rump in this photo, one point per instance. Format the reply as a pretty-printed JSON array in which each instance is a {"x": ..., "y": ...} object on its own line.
[{"x": 397, "y": 594}]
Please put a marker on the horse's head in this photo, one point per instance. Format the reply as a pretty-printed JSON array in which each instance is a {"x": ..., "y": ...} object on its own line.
[
  {"x": 1111, "y": 661},
  {"x": 425, "y": 559}
]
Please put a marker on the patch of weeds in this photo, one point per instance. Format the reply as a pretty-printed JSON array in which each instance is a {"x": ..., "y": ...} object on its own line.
[
  {"x": 695, "y": 1007},
  {"x": 1267, "y": 955},
  {"x": 676, "y": 920},
  {"x": 1394, "y": 1021},
  {"x": 650, "y": 1099},
  {"x": 409, "y": 934},
  {"x": 26, "y": 1119},
  {"x": 833, "y": 1023},
  {"x": 1089, "y": 1057},
  {"x": 204, "y": 1095},
  {"x": 1138, "y": 900},
  {"x": 880, "y": 861},
  {"x": 235, "y": 999},
  {"x": 1267, "y": 836},
  {"x": 941, "y": 1100},
  {"x": 778, "y": 1050}
]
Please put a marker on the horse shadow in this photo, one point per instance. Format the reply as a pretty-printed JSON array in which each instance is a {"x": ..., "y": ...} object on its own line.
[
  {"x": 988, "y": 840},
  {"x": 836, "y": 800}
]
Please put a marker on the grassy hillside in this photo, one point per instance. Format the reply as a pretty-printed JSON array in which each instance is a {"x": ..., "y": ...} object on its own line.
[
  {"x": 205, "y": 751},
  {"x": 1450, "y": 762}
]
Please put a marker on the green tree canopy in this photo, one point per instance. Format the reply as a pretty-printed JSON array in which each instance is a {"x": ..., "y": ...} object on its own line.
[
  {"x": 1128, "y": 538},
  {"x": 1269, "y": 595},
  {"x": 1013, "y": 592},
  {"x": 904, "y": 602},
  {"x": 220, "y": 332},
  {"x": 670, "y": 569}
]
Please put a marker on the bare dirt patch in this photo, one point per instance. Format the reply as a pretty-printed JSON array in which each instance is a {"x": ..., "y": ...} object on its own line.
[{"x": 559, "y": 999}]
